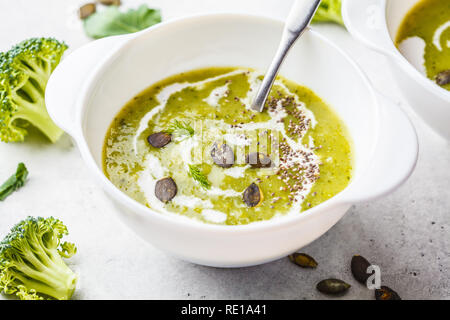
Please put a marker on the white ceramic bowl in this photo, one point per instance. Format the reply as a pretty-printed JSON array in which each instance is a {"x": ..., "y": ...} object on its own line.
[
  {"x": 375, "y": 23},
  {"x": 91, "y": 85}
]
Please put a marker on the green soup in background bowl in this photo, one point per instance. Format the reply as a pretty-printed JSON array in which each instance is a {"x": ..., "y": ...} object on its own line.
[
  {"x": 411, "y": 34},
  {"x": 428, "y": 22}
]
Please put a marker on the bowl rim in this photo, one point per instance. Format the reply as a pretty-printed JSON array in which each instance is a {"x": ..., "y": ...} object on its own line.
[{"x": 181, "y": 221}]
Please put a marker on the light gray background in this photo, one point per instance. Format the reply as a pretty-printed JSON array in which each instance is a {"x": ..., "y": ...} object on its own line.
[{"x": 406, "y": 233}]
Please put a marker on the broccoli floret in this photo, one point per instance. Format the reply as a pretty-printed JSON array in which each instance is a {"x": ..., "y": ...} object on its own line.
[
  {"x": 329, "y": 11},
  {"x": 24, "y": 72},
  {"x": 31, "y": 266}
]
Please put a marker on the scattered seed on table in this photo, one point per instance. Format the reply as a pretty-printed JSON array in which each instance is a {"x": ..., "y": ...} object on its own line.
[
  {"x": 110, "y": 2},
  {"x": 332, "y": 286},
  {"x": 386, "y": 293},
  {"x": 86, "y": 10},
  {"x": 303, "y": 260},
  {"x": 359, "y": 267}
]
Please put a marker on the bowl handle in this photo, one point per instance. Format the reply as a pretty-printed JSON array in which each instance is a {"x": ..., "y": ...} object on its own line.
[
  {"x": 366, "y": 21},
  {"x": 66, "y": 82},
  {"x": 394, "y": 159}
]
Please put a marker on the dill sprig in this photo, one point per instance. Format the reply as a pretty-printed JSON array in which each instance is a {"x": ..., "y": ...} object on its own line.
[
  {"x": 199, "y": 176},
  {"x": 181, "y": 127}
]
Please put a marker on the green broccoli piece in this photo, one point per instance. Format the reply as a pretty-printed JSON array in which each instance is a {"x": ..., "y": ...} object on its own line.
[
  {"x": 31, "y": 266},
  {"x": 329, "y": 11},
  {"x": 24, "y": 72},
  {"x": 14, "y": 182}
]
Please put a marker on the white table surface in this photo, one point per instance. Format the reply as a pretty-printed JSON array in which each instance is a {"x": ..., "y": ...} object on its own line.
[{"x": 405, "y": 233}]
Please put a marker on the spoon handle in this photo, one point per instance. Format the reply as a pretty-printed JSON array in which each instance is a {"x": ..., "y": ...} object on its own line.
[{"x": 298, "y": 20}]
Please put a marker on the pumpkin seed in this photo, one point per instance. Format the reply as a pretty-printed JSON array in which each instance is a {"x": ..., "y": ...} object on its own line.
[
  {"x": 359, "y": 266},
  {"x": 386, "y": 293},
  {"x": 253, "y": 196},
  {"x": 110, "y": 2},
  {"x": 87, "y": 10},
  {"x": 222, "y": 155},
  {"x": 165, "y": 189},
  {"x": 258, "y": 160},
  {"x": 159, "y": 139},
  {"x": 443, "y": 77},
  {"x": 303, "y": 260},
  {"x": 332, "y": 286}
]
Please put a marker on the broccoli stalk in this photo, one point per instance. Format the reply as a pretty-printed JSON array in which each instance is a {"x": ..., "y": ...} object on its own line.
[
  {"x": 24, "y": 73},
  {"x": 31, "y": 264},
  {"x": 14, "y": 182},
  {"x": 329, "y": 11}
]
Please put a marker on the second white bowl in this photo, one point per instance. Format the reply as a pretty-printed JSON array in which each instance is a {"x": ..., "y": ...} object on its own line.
[{"x": 375, "y": 23}]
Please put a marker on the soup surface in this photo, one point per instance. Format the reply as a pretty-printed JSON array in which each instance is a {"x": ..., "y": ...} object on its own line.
[
  {"x": 428, "y": 25},
  {"x": 190, "y": 145}
]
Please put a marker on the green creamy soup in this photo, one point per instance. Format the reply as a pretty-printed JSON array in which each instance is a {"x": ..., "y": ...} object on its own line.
[
  {"x": 190, "y": 145},
  {"x": 430, "y": 21}
]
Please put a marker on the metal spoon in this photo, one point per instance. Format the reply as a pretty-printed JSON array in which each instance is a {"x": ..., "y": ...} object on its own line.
[{"x": 296, "y": 23}]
